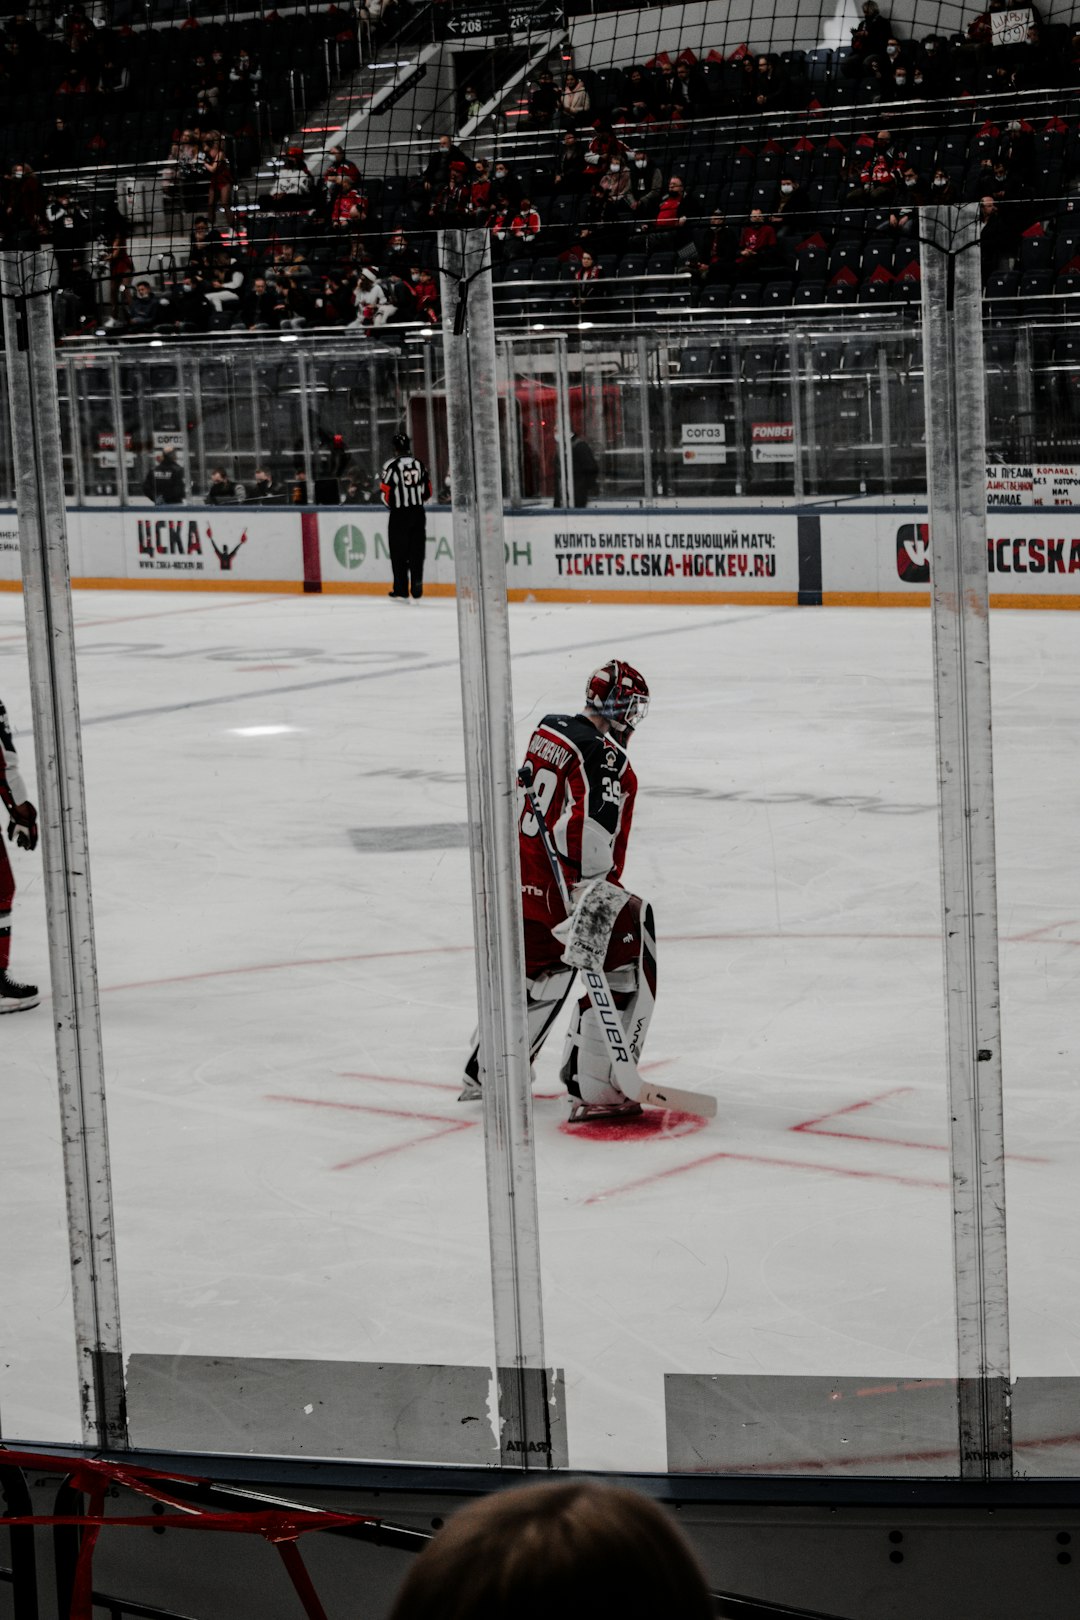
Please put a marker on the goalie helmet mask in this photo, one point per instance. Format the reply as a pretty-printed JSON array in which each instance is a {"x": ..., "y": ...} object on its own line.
[{"x": 620, "y": 693}]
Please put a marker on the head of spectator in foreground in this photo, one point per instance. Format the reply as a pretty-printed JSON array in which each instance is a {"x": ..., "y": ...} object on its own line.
[{"x": 575, "y": 1550}]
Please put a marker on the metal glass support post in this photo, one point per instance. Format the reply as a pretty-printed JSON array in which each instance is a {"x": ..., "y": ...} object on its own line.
[
  {"x": 644, "y": 417},
  {"x": 35, "y": 431},
  {"x": 956, "y": 478},
  {"x": 429, "y": 415},
  {"x": 885, "y": 406},
  {"x": 524, "y": 1393},
  {"x": 563, "y": 457},
  {"x": 118, "y": 429},
  {"x": 512, "y": 421},
  {"x": 798, "y": 433},
  {"x": 306, "y": 392}
]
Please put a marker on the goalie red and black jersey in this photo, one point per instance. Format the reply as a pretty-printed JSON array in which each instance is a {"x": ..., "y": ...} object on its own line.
[{"x": 586, "y": 787}]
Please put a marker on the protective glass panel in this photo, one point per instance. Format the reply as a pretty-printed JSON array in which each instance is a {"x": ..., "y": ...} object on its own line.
[
  {"x": 38, "y": 1386},
  {"x": 279, "y": 851},
  {"x": 769, "y": 1291},
  {"x": 1034, "y": 557}
]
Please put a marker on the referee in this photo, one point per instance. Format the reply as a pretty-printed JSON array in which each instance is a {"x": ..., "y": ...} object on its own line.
[{"x": 405, "y": 487}]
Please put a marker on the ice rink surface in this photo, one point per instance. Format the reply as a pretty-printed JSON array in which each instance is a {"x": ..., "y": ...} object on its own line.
[{"x": 277, "y": 810}]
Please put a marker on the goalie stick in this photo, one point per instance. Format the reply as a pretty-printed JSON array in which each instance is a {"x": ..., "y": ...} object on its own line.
[{"x": 623, "y": 1056}]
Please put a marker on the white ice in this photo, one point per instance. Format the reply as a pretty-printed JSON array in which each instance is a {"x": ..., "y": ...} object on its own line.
[{"x": 285, "y": 1017}]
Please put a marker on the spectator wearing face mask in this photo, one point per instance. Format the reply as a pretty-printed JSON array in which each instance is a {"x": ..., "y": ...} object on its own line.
[
  {"x": 569, "y": 173},
  {"x": 504, "y": 183},
  {"x": 942, "y": 189},
  {"x": 646, "y": 186},
  {"x": 790, "y": 217},
  {"x": 717, "y": 246},
  {"x": 879, "y": 176}
]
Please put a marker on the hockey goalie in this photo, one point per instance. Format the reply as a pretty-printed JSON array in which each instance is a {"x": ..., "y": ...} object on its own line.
[{"x": 585, "y": 787}]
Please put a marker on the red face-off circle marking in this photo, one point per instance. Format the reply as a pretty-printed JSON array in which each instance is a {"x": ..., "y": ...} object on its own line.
[{"x": 654, "y": 1124}]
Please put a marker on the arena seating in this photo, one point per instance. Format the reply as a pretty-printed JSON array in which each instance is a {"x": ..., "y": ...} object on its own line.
[{"x": 720, "y": 217}]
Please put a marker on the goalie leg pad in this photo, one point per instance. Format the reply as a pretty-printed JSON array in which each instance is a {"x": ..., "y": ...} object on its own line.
[
  {"x": 545, "y": 995},
  {"x": 630, "y": 967}
]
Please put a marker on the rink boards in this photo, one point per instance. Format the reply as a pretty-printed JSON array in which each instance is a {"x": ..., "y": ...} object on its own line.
[{"x": 778, "y": 556}]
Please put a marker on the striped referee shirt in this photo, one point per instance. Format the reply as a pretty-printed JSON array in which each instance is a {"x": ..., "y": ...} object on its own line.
[{"x": 404, "y": 482}]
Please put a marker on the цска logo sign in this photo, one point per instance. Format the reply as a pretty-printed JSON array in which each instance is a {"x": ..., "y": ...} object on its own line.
[{"x": 913, "y": 553}]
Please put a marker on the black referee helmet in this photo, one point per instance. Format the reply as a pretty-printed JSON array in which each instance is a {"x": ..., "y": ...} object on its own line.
[{"x": 400, "y": 443}]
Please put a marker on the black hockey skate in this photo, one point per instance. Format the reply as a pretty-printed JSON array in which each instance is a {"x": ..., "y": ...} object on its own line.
[{"x": 15, "y": 997}]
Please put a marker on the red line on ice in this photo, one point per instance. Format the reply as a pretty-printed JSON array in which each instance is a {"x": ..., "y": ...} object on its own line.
[
  {"x": 400, "y": 1147},
  {"x": 813, "y": 1127},
  {"x": 364, "y": 1108},
  {"x": 758, "y": 1158},
  {"x": 444, "y": 950}
]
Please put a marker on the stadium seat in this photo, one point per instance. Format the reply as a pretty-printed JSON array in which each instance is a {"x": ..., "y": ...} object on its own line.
[
  {"x": 695, "y": 361},
  {"x": 776, "y": 294},
  {"x": 1036, "y": 253},
  {"x": 809, "y": 292},
  {"x": 745, "y": 295}
]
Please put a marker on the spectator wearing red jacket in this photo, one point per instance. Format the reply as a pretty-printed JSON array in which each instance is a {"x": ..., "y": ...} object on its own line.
[{"x": 757, "y": 248}]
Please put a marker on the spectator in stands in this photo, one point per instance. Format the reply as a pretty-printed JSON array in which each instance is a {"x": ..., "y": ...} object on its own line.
[
  {"x": 219, "y": 179},
  {"x": 181, "y": 183},
  {"x": 770, "y": 91},
  {"x": 294, "y": 185},
  {"x": 879, "y": 175},
  {"x": 586, "y": 275},
  {"x": 903, "y": 219},
  {"x": 758, "y": 251},
  {"x": 349, "y": 208},
  {"x": 189, "y": 308},
  {"x": 164, "y": 483},
  {"x": 450, "y": 207},
  {"x": 942, "y": 189},
  {"x": 373, "y": 306},
  {"x": 671, "y": 216},
  {"x": 685, "y": 92},
  {"x": 504, "y": 184},
  {"x": 470, "y": 104},
  {"x": 263, "y": 307},
  {"x": 646, "y": 185},
  {"x": 221, "y": 489},
  {"x": 358, "y": 489},
  {"x": 265, "y": 489},
  {"x": 480, "y": 192},
  {"x": 543, "y": 102},
  {"x": 717, "y": 250},
  {"x": 933, "y": 63},
  {"x": 569, "y": 173},
  {"x": 23, "y": 207},
  {"x": 572, "y": 1550},
  {"x": 427, "y": 297},
  {"x": 60, "y": 150},
  {"x": 574, "y": 102},
  {"x": 225, "y": 282},
  {"x": 436, "y": 176},
  {"x": 145, "y": 310},
  {"x": 614, "y": 183},
  {"x": 791, "y": 217},
  {"x": 998, "y": 240},
  {"x": 869, "y": 39}
]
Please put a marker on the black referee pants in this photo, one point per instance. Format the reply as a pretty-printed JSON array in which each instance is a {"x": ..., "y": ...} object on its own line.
[{"x": 408, "y": 537}]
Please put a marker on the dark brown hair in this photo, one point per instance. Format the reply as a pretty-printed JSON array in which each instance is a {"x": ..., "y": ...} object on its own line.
[{"x": 557, "y": 1552}]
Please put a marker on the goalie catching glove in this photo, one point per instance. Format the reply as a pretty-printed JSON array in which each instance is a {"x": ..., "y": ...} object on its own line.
[
  {"x": 586, "y": 933},
  {"x": 23, "y": 825}
]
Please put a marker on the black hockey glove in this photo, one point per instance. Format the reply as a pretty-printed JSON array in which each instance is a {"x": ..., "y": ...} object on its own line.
[{"x": 23, "y": 826}]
